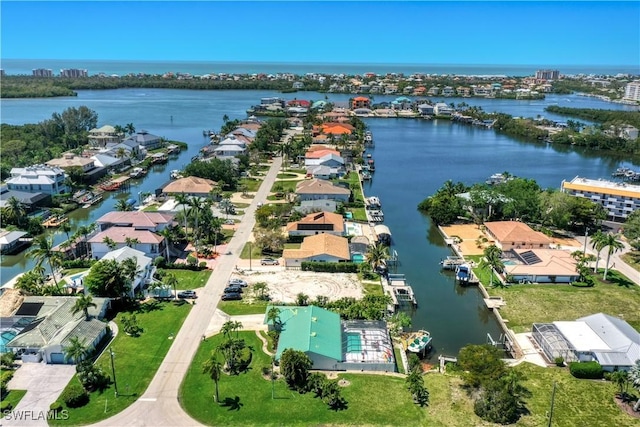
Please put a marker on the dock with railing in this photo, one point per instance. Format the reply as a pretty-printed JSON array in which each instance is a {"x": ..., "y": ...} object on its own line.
[{"x": 400, "y": 291}]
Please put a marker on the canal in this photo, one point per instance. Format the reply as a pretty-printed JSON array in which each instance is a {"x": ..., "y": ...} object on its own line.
[{"x": 413, "y": 159}]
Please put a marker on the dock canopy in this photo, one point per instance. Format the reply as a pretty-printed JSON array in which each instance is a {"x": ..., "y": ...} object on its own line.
[{"x": 383, "y": 233}]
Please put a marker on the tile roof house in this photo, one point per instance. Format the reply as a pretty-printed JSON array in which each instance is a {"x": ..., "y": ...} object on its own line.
[
  {"x": 191, "y": 186},
  {"x": 150, "y": 243},
  {"x": 314, "y": 189},
  {"x": 140, "y": 220},
  {"x": 53, "y": 326},
  {"x": 318, "y": 248},
  {"x": 516, "y": 235},
  {"x": 542, "y": 266},
  {"x": 360, "y": 102},
  {"x": 70, "y": 160},
  {"x": 317, "y": 223}
]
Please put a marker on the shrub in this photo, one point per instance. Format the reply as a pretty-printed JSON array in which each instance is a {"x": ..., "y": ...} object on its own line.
[
  {"x": 74, "y": 396},
  {"x": 92, "y": 378},
  {"x": 202, "y": 264},
  {"x": 159, "y": 261},
  {"x": 589, "y": 370},
  {"x": 559, "y": 361},
  {"x": 5, "y": 406},
  {"x": 330, "y": 267},
  {"x": 55, "y": 406},
  {"x": 192, "y": 261},
  {"x": 78, "y": 263}
]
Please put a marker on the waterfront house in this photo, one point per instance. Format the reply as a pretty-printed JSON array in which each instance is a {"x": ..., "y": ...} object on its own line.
[
  {"x": 541, "y": 266},
  {"x": 318, "y": 248},
  {"x": 311, "y": 206},
  {"x": 45, "y": 179},
  {"x": 330, "y": 343},
  {"x": 426, "y": 109},
  {"x": 12, "y": 242},
  {"x": 619, "y": 199},
  {"x": 50, "y": 327},
  {"x": 145, "y": 266},
  {"x": 317, "y": 223},
  {"x": 140, "y": 220},
  {"x": 105, "y": 135},
  {"x": 110, "y": 162},
  {"x": 190, "y": 186},
  {"x": 442, "y": 109},
  {"x": 30, "y": 201},
  {"x": 146, "y": 140},
  {"x": 509, "y": 235},
  {"x": 150, "y": 243},
  {"x": 91, "y": 173},
  {"x": 129, "y": 148},
  {"x": 608, "y": 340},
  {"x": 325, "y": 172},
  {"x": 228, "y": 151},
  {"x": 360, "y": 102},
  {"x": 313, "y": 189},
  {"x": 316, "y": 152}
]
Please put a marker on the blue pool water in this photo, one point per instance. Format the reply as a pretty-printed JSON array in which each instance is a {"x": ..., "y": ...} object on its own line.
[
  {"x": 5, "y": 337},
  {"x": 357, "y": 258},
  {"x": 348, "y": 215},
  {"x": 353, "y": 342}
]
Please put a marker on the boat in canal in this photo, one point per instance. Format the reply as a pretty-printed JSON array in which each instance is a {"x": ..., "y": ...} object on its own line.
[
  {"x": 91, "y": 199},
  {"x": 137, "y": 173},
  {"x": 463, "y": 273},
  {"x": 419, "y": 342}
]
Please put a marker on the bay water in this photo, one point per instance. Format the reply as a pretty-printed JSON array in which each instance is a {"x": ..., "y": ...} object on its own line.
[{"x": 413, "y": 158}]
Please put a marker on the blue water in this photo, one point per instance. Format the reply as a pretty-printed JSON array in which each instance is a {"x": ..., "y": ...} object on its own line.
[
  {"x": 413, "y": 159},
  {"x": 357, "y": 258},
  {"x": 94, "y": 67}
]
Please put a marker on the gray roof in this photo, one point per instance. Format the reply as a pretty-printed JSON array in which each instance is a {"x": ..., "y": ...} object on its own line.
[
  {"x": 8, "y": 237},
  {"x": 142, "y": 137},
  {"x": 307, "y": 206},
  {"x": 621, "y": 337},
  {"x": 24, "y": 197}
]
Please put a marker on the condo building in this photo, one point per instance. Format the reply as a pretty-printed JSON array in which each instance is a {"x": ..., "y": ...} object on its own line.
[
  {"x": 619, "y": 199},
  {"x": 42, "y": 72}
]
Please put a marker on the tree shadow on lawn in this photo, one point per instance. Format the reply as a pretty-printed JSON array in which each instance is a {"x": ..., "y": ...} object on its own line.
[{"x": 233, "y": 404}]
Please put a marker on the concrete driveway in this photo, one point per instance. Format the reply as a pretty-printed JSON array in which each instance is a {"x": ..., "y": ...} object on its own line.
[{"x": 43, "y": 383}]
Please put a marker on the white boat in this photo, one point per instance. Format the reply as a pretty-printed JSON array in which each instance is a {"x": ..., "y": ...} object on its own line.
[
  {"x": 137, "y": 173},
  {"x": 175, "y": 174},
  {"x": 419, "y": 341},
  {"x": 463, "y": 273}
]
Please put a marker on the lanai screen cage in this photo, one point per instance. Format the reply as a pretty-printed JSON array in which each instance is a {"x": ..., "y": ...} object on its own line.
[{"x": 552, "y": 342}]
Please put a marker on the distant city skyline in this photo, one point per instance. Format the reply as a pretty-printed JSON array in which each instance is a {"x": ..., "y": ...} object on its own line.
[{"x": 546, "y": 33}]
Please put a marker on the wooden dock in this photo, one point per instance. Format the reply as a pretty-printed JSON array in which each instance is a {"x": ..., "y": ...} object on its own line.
[
  {"x": 400, "y": 292},
  {"x": 55, "y": 221}
]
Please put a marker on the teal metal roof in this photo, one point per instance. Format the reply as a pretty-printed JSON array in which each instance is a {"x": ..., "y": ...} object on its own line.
[{"x": 310, "y": 329}]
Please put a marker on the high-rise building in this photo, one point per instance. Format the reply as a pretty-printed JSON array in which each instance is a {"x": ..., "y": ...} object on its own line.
[
  {"x": 547, "y": 74},
  {"x": 619, "y": 199},
  {"x": 73, "y": 72},
  {"x": 632, "y": 91},
  {"x": 42, "y": 72}
]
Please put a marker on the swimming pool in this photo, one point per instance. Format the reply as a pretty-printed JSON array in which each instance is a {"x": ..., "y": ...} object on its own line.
[
  {"x": 357, "y": 258},
  {"x": 354, "y": 344},
  {"x": 509, "y": 262},
  {"x": 348, "y": 215},
  {"x": 5, "y": 337},
  {"x": 76, "y": 277}
]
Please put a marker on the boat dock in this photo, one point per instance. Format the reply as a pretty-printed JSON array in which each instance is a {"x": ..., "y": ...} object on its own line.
[
  {"x": 55, "y": 221},
  {"x": 451, "y": 262},
  {"x": 400, "y": 292}
]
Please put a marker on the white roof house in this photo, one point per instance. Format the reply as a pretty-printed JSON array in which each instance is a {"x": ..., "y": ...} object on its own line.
[{"x": 144, "y": 263}]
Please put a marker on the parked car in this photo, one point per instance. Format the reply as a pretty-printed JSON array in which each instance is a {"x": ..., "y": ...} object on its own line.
[
  {"x": 231, "y": 296},
  {"x": 237, "y": 282},
  {"x": 230, "y": 222},
  {"x": 233, "y": 290},
  {"x": 269, "y": 261},
  {"x": 187, "y": 294}
]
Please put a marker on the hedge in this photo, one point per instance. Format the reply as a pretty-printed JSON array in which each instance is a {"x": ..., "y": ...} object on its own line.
[
  {"x": 330, "y": 267},
  {"x": 589, "y": 370},
  {"x": 78, "y": 263},
  {"x": 75, "y": 396}
]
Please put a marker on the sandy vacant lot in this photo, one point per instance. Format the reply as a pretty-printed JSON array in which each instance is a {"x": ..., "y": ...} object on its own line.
[{"x": 284, "y": 285}]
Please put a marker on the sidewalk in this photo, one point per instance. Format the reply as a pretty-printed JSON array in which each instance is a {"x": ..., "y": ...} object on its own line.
[{"x": 615, "y": 263}]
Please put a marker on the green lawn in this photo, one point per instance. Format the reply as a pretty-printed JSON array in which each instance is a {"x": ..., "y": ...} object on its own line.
[
  {"x": 241, "y": 205},
  {"x": 151, "y": 208},
  {"x": 72, "y": 271},
  {"x": 372, "y": 399},
  {"x": 236, "y": 308},
  {"x": 372, "y": 287},
  {"x": 188, "y": 280},
  {"x": 527, "y": 304},
  {"x": 256, "y": 252},
  {"x": 14, "y": 397},
  {"x": 633, "y": 259},
  {"x": 286, "y": 176},
  {"x": 292, "y": 245},
  {"x": 250, "y": 184},
  {"x": 283, "y": 186},
  {"x": 136, "y": 362},
  {"x": 359, "y": 214}
]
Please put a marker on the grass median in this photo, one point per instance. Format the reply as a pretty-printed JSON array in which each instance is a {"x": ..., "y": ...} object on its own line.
[{"x": 136, "y": 360}]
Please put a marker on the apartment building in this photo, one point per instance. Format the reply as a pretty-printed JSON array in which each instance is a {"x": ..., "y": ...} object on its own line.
[
  {"x": 632, "y": 91},
  {"x": 547, "y": 75},
  {"x": 73, "y": 72},
  {"x": 619, "y": 199},
  {"x": 42, "y": 72}
]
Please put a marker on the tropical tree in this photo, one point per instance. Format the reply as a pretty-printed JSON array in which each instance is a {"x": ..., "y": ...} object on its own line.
[
  {"x": 621, "y": 379},
  {"x": 213, "y": 367},
  {"x": 106, "y": 279},
  {"x": 111, "y": 244},
  {"x": 397, "y": 322},
  {"x": 273, "y": 318},
  {"x": 294, "y": 366},
  {"x": 614, "y": 244},
  {"x": 83, "y": 303},
  {"x": 130, "y": 325},
  {"x": 597, "y": 243},
  {"x": 130, "y": 270},
  {"x": 13, "y": 212},
  {"x": 66, "y": 229},
  {"x": 131, "y": 241},
  {"x": 492, "y": 261},
  {"x": 76, "y": 351},
  {"x": 171, "y": 280},
  {"x": 122, "y": 206},
  {"x": 44, "y": 252},
  {"x": 183, "y": 200},
  {"x": 130, "y": 128},
  {"x": 634, "y": 378},
  {"x": 377, "y": 254},
  {"x": 260, "y": 290}
]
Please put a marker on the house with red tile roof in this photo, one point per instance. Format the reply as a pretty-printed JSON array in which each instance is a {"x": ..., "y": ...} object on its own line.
[
  {"x": 140, "y": 220},
  {"x": 360, "y": 102},
  {"x": 317, "y": 223},
  {"x": 516, "y": 235},
  {"x": 150, "y": 243}
]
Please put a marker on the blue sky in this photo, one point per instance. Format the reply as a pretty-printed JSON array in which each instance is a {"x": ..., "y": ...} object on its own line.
[{"x": 572, "y": 33}]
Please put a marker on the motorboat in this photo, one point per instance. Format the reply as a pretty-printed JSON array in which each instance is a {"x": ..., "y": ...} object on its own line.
[
  {"x": 419, "y": 341},
  {"x": 463, "y": 273}
]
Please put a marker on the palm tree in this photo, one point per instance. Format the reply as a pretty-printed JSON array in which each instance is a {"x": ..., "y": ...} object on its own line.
[
  {"x": 167, "y": 233},
  {"x": 130, "y": 128},
  {"x": 492, "y": 261},
  {"x": 44, "y": 252},
  {"x": 84, "y": 231},
  {"x": 14, "y": 212},
  {"x": 76, "y": 350},
  {"x": 597, "y": 243},
  {"x": 621, "y": 379},
  {"x": 213, "y": 367},
  {"x": 236, "y": 327},
  {"x": 123, "y": 206},
  {"x": 82, "y": 304},
  {"x": 273, "y": 317},
  {"x": 634, "y": 378},
  {"x": 66, "y": 229},
  {"x": 183, "y": 200},
  {"x": 121, "y": 153},
  {"x": 131, "y": 241},
  {"x": 227, "y": 328},
  {"x": 171, "y": 280},
  {"x": 111, "y": 244},
  {"x": 613, "y": 242},
  {"x": 377, "y": 254}
]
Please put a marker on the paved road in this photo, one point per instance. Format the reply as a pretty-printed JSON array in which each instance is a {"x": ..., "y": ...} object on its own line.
[
  {"x": 615, "y": 263},
  {"x": 159, "y": 405}
]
